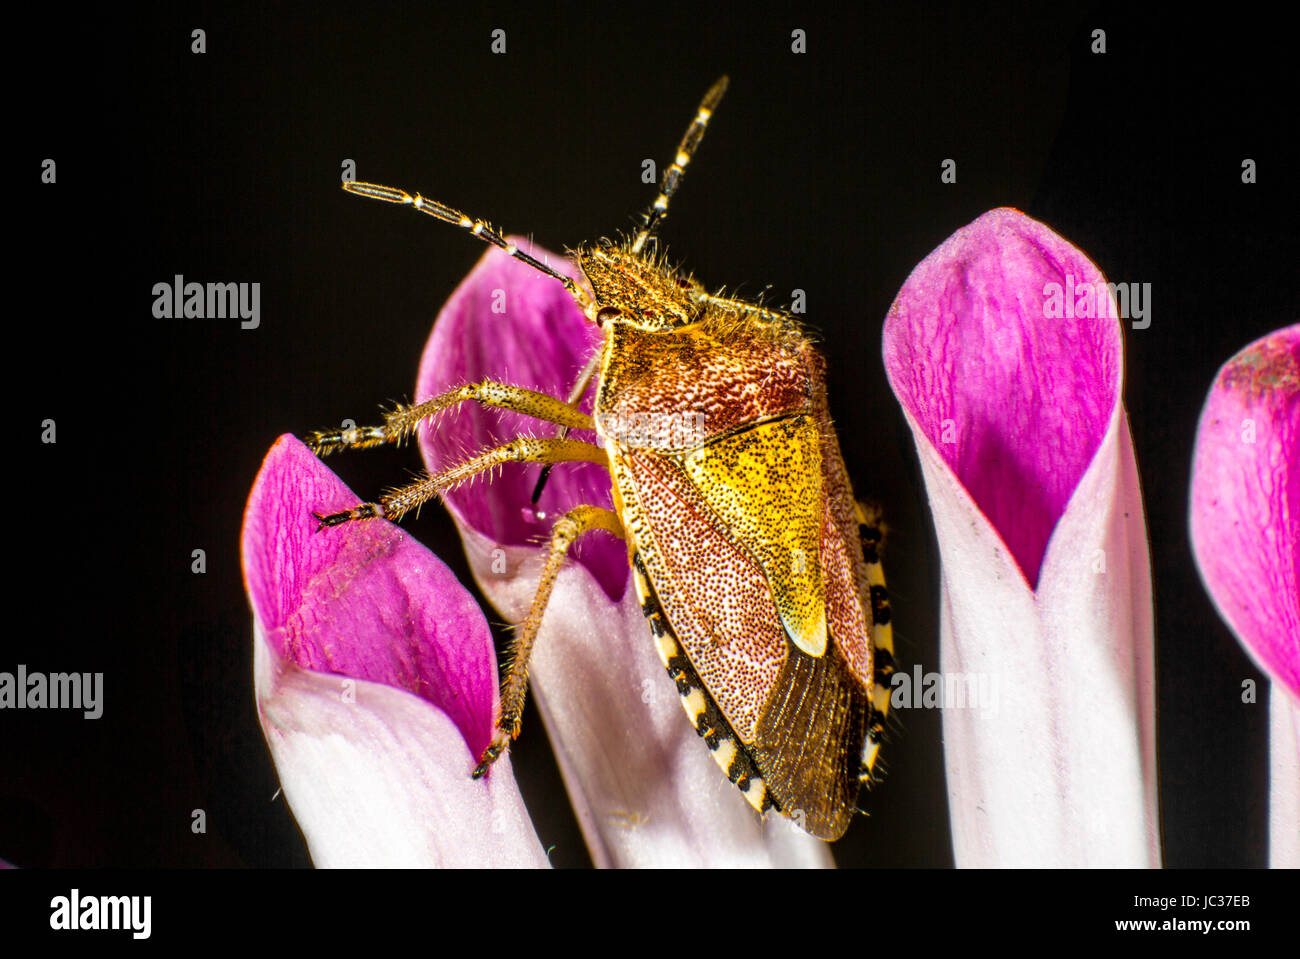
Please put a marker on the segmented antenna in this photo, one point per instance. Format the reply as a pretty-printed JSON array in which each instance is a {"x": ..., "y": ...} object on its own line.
[
  {"x": 672, "y": 177},
  {"x": 479, "y": 228}
]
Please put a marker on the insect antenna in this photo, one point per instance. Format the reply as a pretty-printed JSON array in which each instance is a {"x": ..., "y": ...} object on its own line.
[
  {"x": 672, "y": 177},
  {"x": 479, "y": 228}
]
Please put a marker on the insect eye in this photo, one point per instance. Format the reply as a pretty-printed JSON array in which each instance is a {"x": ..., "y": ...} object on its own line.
[
  {"x": 683, "y": 282},
  {"x": 607, "y": 313}
]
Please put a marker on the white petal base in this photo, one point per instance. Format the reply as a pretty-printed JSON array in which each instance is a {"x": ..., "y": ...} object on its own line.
[
  {"x": 1059, "y": 770},
  {"x": 1284, "y": 784},
  {"x": 369, "y": 781}
]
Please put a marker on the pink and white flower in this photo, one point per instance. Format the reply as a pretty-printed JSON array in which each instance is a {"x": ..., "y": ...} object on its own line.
[
  {"x": 1245, "y": 525},
  {"x": 1005, "y": 351}
]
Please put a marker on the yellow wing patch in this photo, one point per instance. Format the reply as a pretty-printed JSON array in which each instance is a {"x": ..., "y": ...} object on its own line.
[{"x": 765, "y": 485}]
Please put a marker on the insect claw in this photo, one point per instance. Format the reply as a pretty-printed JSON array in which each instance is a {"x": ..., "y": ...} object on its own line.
[
  {"x": 364, "y": 511},
  {"x": 322, "y": 444},
  {"x": 484, "y": 764},
  {"x": 490, "y": 755}
]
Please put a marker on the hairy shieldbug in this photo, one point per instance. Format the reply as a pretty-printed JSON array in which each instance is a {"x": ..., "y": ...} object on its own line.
[{"x": 765, "y": 599}]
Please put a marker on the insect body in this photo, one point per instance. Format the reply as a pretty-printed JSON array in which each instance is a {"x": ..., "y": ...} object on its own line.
[{"x": 764, "y": 598}]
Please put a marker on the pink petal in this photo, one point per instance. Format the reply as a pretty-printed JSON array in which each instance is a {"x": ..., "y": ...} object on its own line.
[
  {"x": 375, "y": 682},
  {"x": 1245, "y": 501},
  {"x": 541, "y": 341},
  {"x": 364, "y": 600},
  {"x": 1045, "y": 579},
  {"x": 972, "y": 355}
]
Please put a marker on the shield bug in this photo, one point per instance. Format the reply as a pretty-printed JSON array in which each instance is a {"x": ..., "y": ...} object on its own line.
[{"x": 756, "y": 569}]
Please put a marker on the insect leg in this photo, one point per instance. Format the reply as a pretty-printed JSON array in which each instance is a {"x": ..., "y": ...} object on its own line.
[
  {"x": 401, "y": 422},
  {"x": 397, "y": 503},
  {"x": 567, "y": 528},
  {"x": 479, "y": 228},
  {"x": 672, "y": 177}
]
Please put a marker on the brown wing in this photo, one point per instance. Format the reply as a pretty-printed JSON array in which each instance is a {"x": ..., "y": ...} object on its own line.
[
  {"x": 810, "y": 740},
  {"x": 722, "y": 574},
  {"x": 751, "y": 579}
]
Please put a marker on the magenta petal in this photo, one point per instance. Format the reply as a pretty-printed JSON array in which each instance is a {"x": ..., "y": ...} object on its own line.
[
  {"x": 510, "y": 323},
  {"x": 363, "y": 600},
  {"x": 1014, "y": 402},
  {"x": 1014, "y": 392},
  {"x": 1245, "y": 502}
]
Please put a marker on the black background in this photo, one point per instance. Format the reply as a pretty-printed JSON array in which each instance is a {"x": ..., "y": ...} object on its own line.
[{"x": 820, "y": 172}]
